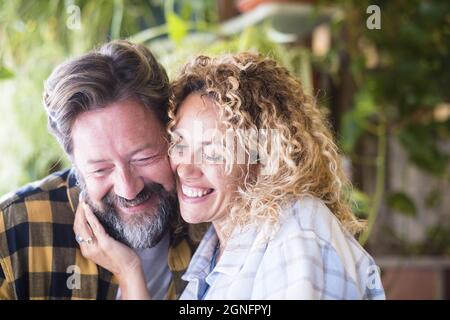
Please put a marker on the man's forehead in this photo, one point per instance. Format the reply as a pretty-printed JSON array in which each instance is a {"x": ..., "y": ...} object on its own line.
[
  {"x": 117, "y": 113},
  {"x": 121, "y": 128}
]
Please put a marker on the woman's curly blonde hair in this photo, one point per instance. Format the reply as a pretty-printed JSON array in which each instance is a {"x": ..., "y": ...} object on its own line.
[{"x": 254, "y": 92}]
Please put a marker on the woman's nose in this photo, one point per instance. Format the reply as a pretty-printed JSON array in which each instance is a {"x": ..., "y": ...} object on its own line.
[
  {"x": 185, "y": 163},
  {"x": 188, "y": 171}
]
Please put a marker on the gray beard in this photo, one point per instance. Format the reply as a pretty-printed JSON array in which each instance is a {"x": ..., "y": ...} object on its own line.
[{"x": 140, "y": 230}]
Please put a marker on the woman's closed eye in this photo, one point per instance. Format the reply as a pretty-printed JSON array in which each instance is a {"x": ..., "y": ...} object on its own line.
[
  {"x": 213, "y": 153},
  {"x": 177, "y": 147}
]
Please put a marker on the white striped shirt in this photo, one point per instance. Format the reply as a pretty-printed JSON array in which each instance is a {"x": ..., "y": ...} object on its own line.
[{"x": 310, "y": 257}]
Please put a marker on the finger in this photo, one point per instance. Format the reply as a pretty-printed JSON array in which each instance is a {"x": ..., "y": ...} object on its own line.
[
  {"x": 81, "y": 223},
  {"x": 98, "y": 230},
  {"x": 78, "y": 214},
  {"x": 81, "y": 226},
  {"x": 82, "y": 197}
]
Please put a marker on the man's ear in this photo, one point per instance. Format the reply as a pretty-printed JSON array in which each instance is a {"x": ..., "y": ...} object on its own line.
[{"x": 78, "y": 176}]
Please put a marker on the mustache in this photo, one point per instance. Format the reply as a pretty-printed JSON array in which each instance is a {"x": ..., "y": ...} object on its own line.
[
  {"x": 144, "y": 230},
  {"x": 150, "y": 189}
]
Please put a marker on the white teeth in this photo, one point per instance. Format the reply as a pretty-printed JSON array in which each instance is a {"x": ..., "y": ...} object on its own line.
[{"x": 194, "y": 192}]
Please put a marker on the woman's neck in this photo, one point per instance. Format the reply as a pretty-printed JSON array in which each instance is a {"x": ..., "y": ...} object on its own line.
[{"x": 223, "y": 232}]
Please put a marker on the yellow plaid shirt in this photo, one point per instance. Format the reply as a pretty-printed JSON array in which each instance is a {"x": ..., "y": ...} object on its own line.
[{"x": 39, "y": 256}]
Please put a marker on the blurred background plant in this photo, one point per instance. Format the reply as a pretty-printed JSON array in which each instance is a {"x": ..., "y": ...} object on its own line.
[
  {"x": 386, "y": 90},
  {"x": 399, "y": 120}
]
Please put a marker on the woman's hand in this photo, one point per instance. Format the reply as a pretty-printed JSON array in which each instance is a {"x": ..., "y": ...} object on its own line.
[{"x": 97, "y": 246}]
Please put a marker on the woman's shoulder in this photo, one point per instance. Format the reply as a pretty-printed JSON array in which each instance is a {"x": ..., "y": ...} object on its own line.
[
  {"x": 311, "y": 228},
  {"x": 312, "y": 219},
  {"x": 312, "y": 236},
  {"x": 311, "y": 216}
]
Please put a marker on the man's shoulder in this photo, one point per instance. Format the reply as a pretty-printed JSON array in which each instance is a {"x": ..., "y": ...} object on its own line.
[
  {"x": 47, "y": 188},
  {"x": 44, "y": 201}
]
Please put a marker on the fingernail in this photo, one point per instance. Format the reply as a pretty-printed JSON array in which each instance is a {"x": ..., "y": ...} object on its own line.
[{"x": 83, "y": 195}]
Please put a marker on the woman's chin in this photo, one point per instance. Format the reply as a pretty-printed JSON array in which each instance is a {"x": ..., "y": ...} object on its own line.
[{"x": 191, "y": 218}]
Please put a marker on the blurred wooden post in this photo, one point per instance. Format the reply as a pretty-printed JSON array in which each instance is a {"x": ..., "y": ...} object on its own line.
[{"x": 227, "y": 9}]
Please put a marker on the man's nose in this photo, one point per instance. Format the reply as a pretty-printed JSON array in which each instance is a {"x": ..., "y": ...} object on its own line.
[{"x": 127, "y": 184}]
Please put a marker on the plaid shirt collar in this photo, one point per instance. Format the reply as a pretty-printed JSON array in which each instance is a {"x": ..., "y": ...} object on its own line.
[{"x": 73, "y": 191}]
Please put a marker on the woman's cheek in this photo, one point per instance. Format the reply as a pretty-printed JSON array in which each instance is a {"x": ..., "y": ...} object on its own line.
[{"x": 160, "y": 172}]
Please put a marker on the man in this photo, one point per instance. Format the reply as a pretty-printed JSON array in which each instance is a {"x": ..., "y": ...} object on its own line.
[{"x": 108, "y": 110}]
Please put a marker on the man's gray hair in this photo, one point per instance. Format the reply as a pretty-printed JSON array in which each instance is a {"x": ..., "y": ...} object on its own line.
[{"x": 117, "y": 71}]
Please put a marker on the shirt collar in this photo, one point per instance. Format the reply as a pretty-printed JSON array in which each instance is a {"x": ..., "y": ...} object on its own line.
[
  {"x": 242, "y": 241},
  {"x": 200, "y": 262},
  {"x": 73, "y": 191}
]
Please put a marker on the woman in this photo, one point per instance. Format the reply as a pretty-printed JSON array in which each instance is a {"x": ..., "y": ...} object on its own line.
[{"x": 253, "y": 155}]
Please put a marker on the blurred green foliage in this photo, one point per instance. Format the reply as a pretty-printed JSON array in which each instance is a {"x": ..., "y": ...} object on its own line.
[
  {"x": 400, "y": 74},
  {"x": 409, "y": 80}
]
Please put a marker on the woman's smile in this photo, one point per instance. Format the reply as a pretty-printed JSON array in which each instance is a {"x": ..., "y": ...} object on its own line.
[
  {"x": 191, "y": 195},
  {"x": 193, "y": 192}
]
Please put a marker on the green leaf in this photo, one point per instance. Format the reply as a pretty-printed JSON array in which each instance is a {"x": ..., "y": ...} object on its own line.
[
  {"x": 5, "y": 73},
  {"x": 427, "y": 156},
  {"x": 433, "y": 199},
  {"x": 355, "y": 120},
  {"x": 364, "y": 104},
  {"x": 402, "y": 203},
  {"x": 116, "y": 22},
  {"x": 176, "y": 27},
  {"x": 351, "y": 131},
  {"x": 186, "y": 10},
  {"x": 360, "y": 203}
]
